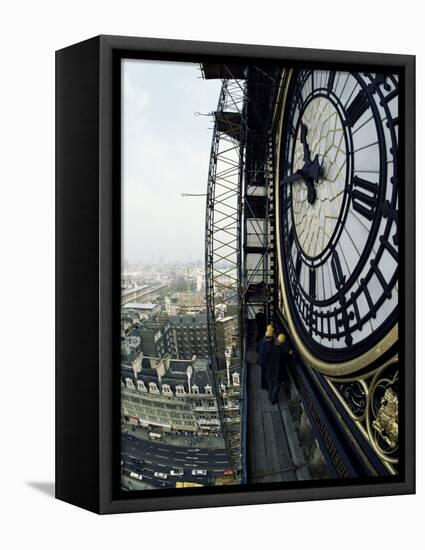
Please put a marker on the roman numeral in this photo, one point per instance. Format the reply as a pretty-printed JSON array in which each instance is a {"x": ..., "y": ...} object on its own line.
[
  {"x": 388, "y": 246},
  {"x": 291, "y": 237},
  {"x": 339, "y": 277},
  {"x": 390, "y": 96},
  {"x": 312, "y": 284},
  {"x": 344, "y": 321},
  {"x": 357, "y": 107},
  {"x": 381, "y": 278},
  {"x": 368, "y": 297},
  {"x": 378, "y": 80},
  {"x": 299, "y": 100},
  {"x": 389, "y": 212},
  {"x": 331, "y": 80},
  {"x": 312, "y": 320},
  {"x": 298, "y": 265},
  {"x": 356, "y": 311},
  {"x": 286, "y": 203},
  {"x": 365, "y": 197}
]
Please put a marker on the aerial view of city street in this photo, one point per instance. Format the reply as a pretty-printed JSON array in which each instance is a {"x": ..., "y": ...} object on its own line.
[{"x": 171, "y": 433}]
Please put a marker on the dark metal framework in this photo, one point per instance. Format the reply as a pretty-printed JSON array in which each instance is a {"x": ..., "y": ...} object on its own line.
[
  {"x": 222, "y": 253},
  {"x": 258, "y": 288},
  {"x": 239, "y": 229},
  {"x": 88, "y": 273}
]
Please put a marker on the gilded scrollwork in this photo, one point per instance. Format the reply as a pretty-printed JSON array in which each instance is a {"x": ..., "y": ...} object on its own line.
[
  {"x": 372, "y": 401},
  {"x": 355, "y": 396},
  {"x": 382, "y": 412}
]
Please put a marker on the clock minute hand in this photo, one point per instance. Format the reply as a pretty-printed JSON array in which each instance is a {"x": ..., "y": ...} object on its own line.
[
  {"x": 303, "y": 139},
  {"x": 298, "y": 175}
]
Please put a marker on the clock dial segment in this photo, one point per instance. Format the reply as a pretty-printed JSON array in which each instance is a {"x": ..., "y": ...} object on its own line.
[{"x": 338, "y": 194}]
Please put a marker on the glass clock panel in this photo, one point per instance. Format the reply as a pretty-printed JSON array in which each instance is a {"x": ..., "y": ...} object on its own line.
[{"x": 339, "y": 208}]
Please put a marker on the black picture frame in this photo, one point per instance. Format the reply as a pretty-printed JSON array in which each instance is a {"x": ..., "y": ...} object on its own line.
[{"x": 88, "y": 273}]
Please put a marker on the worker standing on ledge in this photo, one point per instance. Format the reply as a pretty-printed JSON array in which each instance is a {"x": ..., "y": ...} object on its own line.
[
  {"x": 263, "y": 349},
  {"x": 279, "y": 358}
]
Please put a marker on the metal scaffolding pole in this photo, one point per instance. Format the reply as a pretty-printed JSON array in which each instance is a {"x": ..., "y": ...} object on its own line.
[{"x": 223, "y": 260}]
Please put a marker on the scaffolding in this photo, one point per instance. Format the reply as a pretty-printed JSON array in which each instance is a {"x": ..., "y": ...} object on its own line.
[
  {"x": 258, "y": 224},
  {"x": 239, "y": 239},
  {"x": 223, "y": 256}
]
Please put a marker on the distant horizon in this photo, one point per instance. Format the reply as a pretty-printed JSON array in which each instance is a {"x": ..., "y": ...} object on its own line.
[{"x": 165, "y": 153}]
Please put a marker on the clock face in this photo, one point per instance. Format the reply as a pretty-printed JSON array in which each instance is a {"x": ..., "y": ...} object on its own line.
[{"x": 338, "y": 200}]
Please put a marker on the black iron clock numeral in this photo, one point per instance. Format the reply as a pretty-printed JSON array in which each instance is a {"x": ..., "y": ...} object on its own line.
[
  {"x": 299, "y": 101},
  {"x": 339, "y": 277},
  {"x": 291, "y": 237},
  {"x": 357, "y": 107},
  {"x": 286, "y": 203},
  {"x": 356, "y": 311},
  {"x": 344, "y": 321},
  {"x": 331, "y": 81},
  {"x": 378, "y": 80},
  {"x": 298, "y": 265},
  {"x": 365, "y": 197},
  {"x": 385, "y": 287},
  {"x": 389, "y": 212},
  {"x": 312, "y": 284}
]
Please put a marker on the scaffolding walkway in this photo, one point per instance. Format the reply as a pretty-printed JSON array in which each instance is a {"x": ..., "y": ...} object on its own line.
[{"x": 274, "y": 452}]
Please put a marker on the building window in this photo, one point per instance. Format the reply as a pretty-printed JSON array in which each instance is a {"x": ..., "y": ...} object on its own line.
[
  {"x": 180, "y": 390},
  {"x": 141, "y": 386},
  {"x": 129, "y": 383},
  {"x": 153, "y": 388},
  {"x": 166, "y": 389}
]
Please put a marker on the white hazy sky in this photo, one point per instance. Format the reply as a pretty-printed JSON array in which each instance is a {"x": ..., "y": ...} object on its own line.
[{"x": 165, "y": 152}]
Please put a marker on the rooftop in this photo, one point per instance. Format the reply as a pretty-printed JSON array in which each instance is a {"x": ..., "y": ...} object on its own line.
[{"x": 139, "y": 305}]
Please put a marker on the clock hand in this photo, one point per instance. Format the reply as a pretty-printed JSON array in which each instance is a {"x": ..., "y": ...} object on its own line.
[
  {"x": 298, "y": 175},
  {"x": 313, "y": 169},
  {"x": 303, "y": 139},
  {"x": 310, "y": 172},
  {"x": 311, "y": 192}
]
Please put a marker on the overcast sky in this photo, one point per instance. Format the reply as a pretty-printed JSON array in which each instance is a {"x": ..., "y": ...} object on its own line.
[{"x": 165, "y": 152}]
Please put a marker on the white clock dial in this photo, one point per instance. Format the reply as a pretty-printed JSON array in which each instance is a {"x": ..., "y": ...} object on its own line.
[
  {"x": 316, "y": 223},
  {"x": 339, "y": 209}
]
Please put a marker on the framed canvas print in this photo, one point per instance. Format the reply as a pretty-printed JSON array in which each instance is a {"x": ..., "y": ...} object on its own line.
[{"x": 235, "y": 274}]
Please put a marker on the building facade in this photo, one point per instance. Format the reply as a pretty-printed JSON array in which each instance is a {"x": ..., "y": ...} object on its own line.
[
  {"x": 157, "y": 337},
  {"x": 181, "y": 399},
  {"x": 191, "y": 334}
]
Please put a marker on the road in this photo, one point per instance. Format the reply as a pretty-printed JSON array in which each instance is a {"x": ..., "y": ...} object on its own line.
[{"x": 160, "y": 457}]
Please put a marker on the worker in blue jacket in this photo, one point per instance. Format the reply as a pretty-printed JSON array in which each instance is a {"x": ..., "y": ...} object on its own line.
[{"x": 264, "y": 349}]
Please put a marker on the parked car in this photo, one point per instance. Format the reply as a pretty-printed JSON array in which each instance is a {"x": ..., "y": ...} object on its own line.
[
  {"x": 177, "y": 472},
  {"x": 160, "y": 475},
  {"x": 199, "y": 472},
  {"x": 136, "y": 476}
]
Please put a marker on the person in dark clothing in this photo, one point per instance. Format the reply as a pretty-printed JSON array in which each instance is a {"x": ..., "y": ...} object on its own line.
[
  {"x": 277, "y": 366},
  {"x": 260, "y": 321},
  {"x": 263, "y": 349}
]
